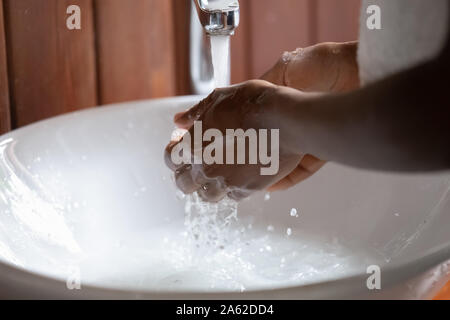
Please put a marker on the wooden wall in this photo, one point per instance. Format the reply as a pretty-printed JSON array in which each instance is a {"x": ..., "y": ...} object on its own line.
[
  {"x": 5, "y": 119},
  {"x": 51, "y": 70},
  {"x": 135, "y": 42}
]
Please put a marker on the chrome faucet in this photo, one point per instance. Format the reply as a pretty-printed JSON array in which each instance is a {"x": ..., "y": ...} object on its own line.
[
  {"x": 208, "y": 18},
  {"x": 218, "y": 17}
]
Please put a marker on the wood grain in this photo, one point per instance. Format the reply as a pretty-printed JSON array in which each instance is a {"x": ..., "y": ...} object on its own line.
[
  {"x": 5, "y": 119},
  {"x": 136, "y": 51},
  {"x": 51, "y": 68},
  {"x": 275, "y": 28},
  {"x": 241, "y": 46},
  {"x": 181, "y": 25}
]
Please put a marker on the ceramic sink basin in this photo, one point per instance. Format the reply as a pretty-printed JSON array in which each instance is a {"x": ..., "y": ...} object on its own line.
[{"x": 87, "y": 202}]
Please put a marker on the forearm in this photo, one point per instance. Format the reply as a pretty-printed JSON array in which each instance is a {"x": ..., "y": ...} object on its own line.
[
  {"x": 325, "y": 67},
  {"x": 401, "y": 123}
]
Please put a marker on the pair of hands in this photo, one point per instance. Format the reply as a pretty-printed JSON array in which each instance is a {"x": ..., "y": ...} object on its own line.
[{"x": 263, "y": 104}]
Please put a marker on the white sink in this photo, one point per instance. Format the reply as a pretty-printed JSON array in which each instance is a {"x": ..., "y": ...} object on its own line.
[{"x": 86, "y": 199}]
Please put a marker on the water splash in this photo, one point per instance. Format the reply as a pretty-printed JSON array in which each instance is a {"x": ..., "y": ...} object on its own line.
[{"x": 210, "y": 226}]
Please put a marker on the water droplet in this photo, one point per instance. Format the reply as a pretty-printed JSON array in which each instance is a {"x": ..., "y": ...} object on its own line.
[
  {"x": 289, "y": 232},
  {"x": 270, "y": 228},
  {"x": 294, "y": 213},
  {"x": 180, "y": 195},
  {"x": 267, "y": 197}
]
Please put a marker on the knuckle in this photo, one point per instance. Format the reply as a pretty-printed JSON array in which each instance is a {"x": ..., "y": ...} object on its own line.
[
  {"x": 168, "y": 156},
  {"x": 185, "y": 182}
]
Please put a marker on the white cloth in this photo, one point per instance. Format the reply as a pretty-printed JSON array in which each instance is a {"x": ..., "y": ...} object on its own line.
[{"x": 413, "y": 31}]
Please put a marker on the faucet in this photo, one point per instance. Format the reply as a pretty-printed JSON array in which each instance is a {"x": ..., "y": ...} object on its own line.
[
  {"x": 208, "y": 18},
  {"x": 218, "y": 17}
]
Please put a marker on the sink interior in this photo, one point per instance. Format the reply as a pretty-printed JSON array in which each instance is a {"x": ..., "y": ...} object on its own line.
[{"x": 89, "y": 193}]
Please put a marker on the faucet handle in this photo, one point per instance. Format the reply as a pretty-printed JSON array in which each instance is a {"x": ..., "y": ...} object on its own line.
[{"x": 218, "y": 17}]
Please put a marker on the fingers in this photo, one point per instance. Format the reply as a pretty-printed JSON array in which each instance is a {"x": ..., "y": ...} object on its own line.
[
  {"x": 168, "y": 156},
  {"x": 191, "y": 178},
  {"x": 297, "y": 175},
  {"x": 238, "y": 195},
  {"x": 312, "y": 164},
  {"x": 212, "y": 190},
  {"x": 307, "y": 167},
  {"x": 186, "y": 119},
  {"x": 184, "y": 180}
]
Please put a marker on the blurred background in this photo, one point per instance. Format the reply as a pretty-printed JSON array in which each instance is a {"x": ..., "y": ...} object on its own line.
[{"x": 138, "y": 49}]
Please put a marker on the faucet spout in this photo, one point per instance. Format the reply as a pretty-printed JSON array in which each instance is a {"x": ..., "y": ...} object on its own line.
[{"x": 218, "y": 17}]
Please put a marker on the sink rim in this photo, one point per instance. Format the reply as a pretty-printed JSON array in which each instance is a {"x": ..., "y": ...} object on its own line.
[{"x": 396, "y": 273}]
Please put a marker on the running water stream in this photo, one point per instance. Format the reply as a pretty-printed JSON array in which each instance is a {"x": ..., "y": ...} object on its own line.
[{"x": 220, "y": 52}]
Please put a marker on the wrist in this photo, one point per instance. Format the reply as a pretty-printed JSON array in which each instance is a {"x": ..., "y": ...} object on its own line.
[
  {"x": 325, "y": 67},
  {"x": 293, "y": 113}
]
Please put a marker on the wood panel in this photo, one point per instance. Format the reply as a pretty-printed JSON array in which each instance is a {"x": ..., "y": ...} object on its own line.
[
  {"x": 337, "y": 20},
  {"x": 277, "y": 27},
  {"x": 241, "y": 46},
  {"x": 5, "y": 120},
  {"x": 51, "y": 68},
  {"x": 181, "y": 25},
  {"x": 136, "y": 51}
]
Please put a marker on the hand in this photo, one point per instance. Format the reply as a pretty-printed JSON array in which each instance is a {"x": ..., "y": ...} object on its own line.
[
  {"x": 326, "y": 67},
  {"x": 255, "y": 105}
]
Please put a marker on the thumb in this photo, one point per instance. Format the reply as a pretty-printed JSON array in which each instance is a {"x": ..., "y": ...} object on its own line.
[{"x": 186, "y": 119}]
